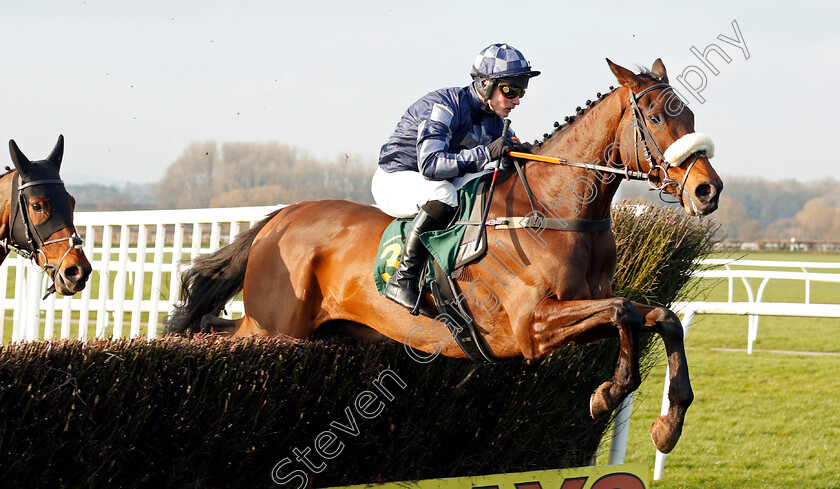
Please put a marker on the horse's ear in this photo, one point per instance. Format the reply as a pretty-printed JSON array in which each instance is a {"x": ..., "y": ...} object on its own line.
[
  {"x": 57, "y": 152},
  {"x": 624, "y": 76},
  {"x": 20, "y": 160},
  {"x": 658, "y": 69}
]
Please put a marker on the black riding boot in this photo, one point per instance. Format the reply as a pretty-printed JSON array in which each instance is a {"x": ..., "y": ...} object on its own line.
[{"x": 404, "y": 288}]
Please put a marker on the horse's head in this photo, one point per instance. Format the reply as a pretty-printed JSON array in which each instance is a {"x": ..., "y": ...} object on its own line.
[
  {"x": 42, "y": 220},
  {"x": 658, "y": 129}
]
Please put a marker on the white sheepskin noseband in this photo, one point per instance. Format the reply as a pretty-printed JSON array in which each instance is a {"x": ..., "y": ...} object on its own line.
[{"x": 687, "y": 145}]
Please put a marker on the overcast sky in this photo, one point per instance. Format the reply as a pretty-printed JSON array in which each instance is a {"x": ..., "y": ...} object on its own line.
[{"x": 131, "y": 84}]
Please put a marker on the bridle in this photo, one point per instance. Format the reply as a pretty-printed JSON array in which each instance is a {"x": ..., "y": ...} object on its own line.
[
  {"x": 642, "y": 133},
  {"x": 658, "y": 171},
  {"x": 26, "y": 238}
]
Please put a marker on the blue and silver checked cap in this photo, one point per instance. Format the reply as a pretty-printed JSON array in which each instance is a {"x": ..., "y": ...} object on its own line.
[{"x": 501, "y": 61}]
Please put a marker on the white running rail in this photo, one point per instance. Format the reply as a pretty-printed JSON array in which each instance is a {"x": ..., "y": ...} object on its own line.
[
  {"x": 143, "y": 266},
  {"x": 753, "y": 307},
  {"x": 140, "y": 253}
]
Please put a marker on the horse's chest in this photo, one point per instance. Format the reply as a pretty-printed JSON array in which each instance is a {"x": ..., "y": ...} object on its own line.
[{"x": 584, "y": 277}]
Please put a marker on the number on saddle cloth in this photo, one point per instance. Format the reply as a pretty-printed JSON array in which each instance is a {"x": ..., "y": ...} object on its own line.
[{"x": 451, "y": 248}]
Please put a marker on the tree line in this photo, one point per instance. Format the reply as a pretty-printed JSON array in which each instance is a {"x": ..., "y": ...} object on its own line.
[
  {"x": 237, "y": 174},
  {"x": 243, "y": 174},
  {"x": 208, "y": 174},
  {"x": 757, "y": 209}
]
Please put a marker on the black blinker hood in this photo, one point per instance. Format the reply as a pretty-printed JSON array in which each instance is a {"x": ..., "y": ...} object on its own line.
[{"x": 30, "y": 236}]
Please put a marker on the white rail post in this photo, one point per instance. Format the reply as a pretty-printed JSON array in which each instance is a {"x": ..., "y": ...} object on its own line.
[
  {"x": 139, "y": 282},
  {"x": 234, "y": 231},
  {"x": 104, "y": 283},
  {"x": 621, "y": 431},
  {"x": 215, "y": 236},
  {"x": 659, "y": 464},
  {"x": 120, "y": 282},
  {"x": 84, "y": 313},
  {"x": 174, "y": 277},
  {"x": 807, "y": 287},
  {"x": 157, "y": 280},
  {"x": 227, "y": 312},
  {"x": 195, "y": 248},
  {"x": 34, "y": 275},
  {"x": 49, "y": 317},
  {"x": 19, "y": 314},
  {"x": 97, "y": 298},
  {"x": 66, "y": 304}
]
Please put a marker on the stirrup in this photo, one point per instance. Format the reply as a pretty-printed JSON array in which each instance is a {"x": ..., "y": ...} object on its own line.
[
  {"x": 418, "y": 307},
  {"x": 421, "y": 309}
]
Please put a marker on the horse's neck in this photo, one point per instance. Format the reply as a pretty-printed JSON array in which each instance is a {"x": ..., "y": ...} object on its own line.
[{"x": 584, "y": 141}]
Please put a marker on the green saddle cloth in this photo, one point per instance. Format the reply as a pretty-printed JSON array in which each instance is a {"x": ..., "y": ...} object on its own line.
[{"x": 442, "y": 245}]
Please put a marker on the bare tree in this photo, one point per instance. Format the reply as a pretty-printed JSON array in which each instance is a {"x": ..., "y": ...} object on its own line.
[{"x": 190, "y": 181}]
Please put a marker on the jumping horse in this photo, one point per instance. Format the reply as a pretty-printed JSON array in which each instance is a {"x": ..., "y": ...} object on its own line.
[
  {"x": 311, "y": 263},
  {"x": 36, "y": 220}
]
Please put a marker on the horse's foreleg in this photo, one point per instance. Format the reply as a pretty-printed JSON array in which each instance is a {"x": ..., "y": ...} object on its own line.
[
  {"x": 559, "y": 322},
  {"x": 666, "y": 430}
]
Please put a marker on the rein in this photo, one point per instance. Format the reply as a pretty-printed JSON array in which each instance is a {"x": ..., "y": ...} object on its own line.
[
  {"x": 34, "y": 241},
  {"x": 627, "y": 172},
  {"x": 641, "y": 133}
]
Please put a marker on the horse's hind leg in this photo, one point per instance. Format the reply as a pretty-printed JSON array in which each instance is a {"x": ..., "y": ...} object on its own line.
[
  {"x": 559, "y": 322},
  {"x": 215, "y": 324},
  {"x": 666, "y": 430}
]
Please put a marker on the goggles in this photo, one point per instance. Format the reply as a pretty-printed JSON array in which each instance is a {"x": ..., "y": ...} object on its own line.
[{"x": 511, "y": 92}]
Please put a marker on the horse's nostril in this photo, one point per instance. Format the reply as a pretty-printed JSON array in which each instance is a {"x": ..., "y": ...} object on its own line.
[
  {"x": 705, "y": 192},
  {"x": 73, "y": 273}
]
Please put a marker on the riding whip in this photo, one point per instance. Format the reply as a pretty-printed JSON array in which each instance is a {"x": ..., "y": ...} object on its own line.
[{"x": 498, "y": 163}]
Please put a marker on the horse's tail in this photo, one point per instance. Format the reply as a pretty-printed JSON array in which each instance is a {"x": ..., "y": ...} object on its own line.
[{"x": 212, "y": 281}]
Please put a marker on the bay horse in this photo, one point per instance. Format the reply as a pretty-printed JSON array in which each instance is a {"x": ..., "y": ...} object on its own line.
[
  {"x": 36, "y": 219},
  {"x": 311, "y": 263}
]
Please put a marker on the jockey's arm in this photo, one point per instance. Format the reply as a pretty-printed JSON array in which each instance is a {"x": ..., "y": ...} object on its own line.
[{"x": 434, "y": 158}]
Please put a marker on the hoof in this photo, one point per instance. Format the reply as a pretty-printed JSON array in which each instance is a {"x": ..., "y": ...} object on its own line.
[
  {"x": 665, "y": 433},
  {"x": 599, "y": 402}
]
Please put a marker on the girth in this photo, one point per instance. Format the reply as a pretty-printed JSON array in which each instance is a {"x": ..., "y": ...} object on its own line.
[{"x": 448, "y": 298}]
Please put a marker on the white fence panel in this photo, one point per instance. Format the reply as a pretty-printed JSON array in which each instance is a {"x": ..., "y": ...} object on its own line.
[
  {"x": 126, "y": 280},
  {"x": 134, "y": 282},
  {"x": 753, "y": 308}
]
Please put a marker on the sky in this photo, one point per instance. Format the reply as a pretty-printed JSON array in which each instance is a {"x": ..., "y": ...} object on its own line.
[{"x": 132, "y": 84}]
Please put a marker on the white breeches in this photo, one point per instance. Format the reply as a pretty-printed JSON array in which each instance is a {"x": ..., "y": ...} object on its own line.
[{"x": 402, "y": 193}]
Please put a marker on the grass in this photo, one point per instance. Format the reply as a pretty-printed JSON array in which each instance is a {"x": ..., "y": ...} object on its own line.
[
  {"x": 779, "y": 256},
  {"x": 766, "y": 420},
  {"x": 760, "y": 421}
]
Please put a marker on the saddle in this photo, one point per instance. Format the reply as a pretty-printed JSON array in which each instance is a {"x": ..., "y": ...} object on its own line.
[
  {"x": 450, "y": 250},
  {"x": 462, "y": 243}
]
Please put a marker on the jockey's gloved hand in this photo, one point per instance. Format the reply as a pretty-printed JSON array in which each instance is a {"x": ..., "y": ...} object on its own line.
[
  {"x": 501, "y": 146},
  {"x": 506, "y": 163}
]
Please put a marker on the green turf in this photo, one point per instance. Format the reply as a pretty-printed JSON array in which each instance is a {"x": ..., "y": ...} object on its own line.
[
  {"x": 766, "y": 420},
  {"x": 779, "y": 255},
  {"x": 760, "y": 421}
]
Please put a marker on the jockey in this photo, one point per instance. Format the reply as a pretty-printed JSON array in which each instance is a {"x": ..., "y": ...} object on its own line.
[{"x": 446, "y": 135}]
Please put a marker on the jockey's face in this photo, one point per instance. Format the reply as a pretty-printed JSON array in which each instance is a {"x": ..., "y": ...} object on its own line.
[{"x": 500, "y": 104}]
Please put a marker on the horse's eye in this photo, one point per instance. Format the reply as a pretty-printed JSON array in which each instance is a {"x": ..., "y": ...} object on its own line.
[
  {"x": 37, "y": 207},
  {"x": 655, "y": 119}
]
